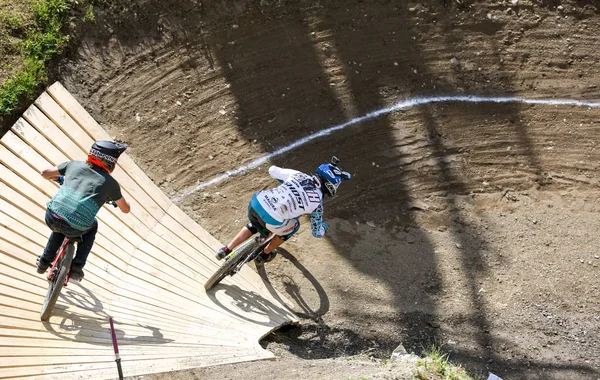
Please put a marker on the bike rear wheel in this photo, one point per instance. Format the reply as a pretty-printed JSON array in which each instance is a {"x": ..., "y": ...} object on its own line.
[
  {"x": 225, "y": 269},
  {"x": 58, "y": 280}
]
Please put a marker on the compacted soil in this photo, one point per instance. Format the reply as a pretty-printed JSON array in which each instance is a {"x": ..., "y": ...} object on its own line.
[{"x": 469, "y": 225}]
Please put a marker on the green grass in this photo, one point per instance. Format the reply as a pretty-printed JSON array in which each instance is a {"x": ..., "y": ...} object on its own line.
[
  {"x": 436, "y": 366},
  {"x": 12, "y": 21},
  {"x": 89, "y": 14},
  {"x": 43, "y": 40}
]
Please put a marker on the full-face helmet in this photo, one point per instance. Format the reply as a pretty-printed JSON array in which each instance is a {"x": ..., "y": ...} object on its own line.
[
  {"x": 105, "y": 154},
  {"x": 330, "y": 176}
]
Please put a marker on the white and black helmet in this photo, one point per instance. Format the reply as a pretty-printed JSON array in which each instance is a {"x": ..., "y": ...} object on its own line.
[{"x": 107, "y": 153}]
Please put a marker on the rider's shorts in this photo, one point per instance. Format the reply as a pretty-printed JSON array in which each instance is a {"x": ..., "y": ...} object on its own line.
[{"x": 261, "y": 221}]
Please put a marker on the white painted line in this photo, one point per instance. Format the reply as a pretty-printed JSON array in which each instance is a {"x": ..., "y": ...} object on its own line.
[{"x": 372, "y": 115}]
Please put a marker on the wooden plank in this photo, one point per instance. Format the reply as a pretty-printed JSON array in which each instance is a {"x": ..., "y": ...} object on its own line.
[
  {"x": 89, "y": 328},
  {"x": 26, "y": 172},
  {"x": 19, "y": 297},
  {"x": 18, "y": 184},
  {"x": 26, "y": 219},
  {"x": 22, "y": 186},
  {"x": 107, "y": 370},
  {"x": 7, "y": 244},
  {"x": 191, "y": 239},
  {"x": 124, "y": 347},
  {"x": 175, "y": 287},
  {"x": 247, "y": 277},
  {"x": 181, "y": 217},
  {"x": 37, "y": 141},
  {"x": 24, "y": 189},
  {"x": 22, "y": 229},
  {"x": 11, "y": 243},
  {"x": 63, "y": 120},
  {"x": 46, "y": 127},
  {"x": 92, "y": 327}
]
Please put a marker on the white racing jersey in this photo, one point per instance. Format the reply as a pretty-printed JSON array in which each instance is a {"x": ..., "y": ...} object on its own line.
[{"x": 298, "y": 195}]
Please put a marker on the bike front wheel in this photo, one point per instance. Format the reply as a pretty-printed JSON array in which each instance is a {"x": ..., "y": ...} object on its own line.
[
  {"x": 56, "y": 283},
  {"x": 234, "y": 259}
]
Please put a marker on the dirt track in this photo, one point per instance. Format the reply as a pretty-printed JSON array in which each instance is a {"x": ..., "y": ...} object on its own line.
[{"x": 469, "y": 225}]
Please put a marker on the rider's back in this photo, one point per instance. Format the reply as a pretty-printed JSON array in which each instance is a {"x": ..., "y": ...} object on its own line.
[
  {"x": 297, "y": 195},
  {"x": 84, "y": 191}
]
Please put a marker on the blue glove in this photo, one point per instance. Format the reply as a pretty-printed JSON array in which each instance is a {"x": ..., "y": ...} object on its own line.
[
  {"x": 60, "y": 179},
  {"x": 325, "y": 226}
]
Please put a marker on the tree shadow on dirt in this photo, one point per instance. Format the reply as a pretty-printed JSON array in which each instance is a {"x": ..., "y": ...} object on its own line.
[
  {"x": 276, "y": 66},
  {"x": 531, "y": 368},
  {"x": 301, "y": 96},
  {"x": 281, "y": 105}
]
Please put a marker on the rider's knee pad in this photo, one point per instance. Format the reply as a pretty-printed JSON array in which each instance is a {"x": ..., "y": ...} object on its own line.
[{"x": 251, "y": 227}]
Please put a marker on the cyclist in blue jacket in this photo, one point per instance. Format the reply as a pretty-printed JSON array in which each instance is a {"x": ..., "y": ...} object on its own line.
[
  {"x": 87, "y": 186},
  {"x": 277, "y": 210}
]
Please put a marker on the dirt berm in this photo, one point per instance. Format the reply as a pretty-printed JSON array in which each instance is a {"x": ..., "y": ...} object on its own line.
[{"x": 471, "y": 225}]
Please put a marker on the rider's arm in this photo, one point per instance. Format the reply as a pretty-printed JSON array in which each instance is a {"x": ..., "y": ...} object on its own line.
[
  {"x": 54, "y": 173},
  {"x": 281, "y": 174},
  {"x": 317, "y": 225},
  {"x": 50, "y": 173},
  {"x": 123, "y": 205}
]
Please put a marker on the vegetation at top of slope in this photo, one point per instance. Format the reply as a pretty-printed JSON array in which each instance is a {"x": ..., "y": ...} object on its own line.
[{"x": 33, "y": 35}]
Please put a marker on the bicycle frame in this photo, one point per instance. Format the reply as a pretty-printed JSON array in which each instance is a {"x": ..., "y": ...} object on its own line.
[
  {"x": 255, "y": 252},
  {"x": 61, "y": 253}
]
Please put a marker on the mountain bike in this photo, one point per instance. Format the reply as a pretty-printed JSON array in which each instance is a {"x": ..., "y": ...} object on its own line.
[{"x": 234, "y": 262}]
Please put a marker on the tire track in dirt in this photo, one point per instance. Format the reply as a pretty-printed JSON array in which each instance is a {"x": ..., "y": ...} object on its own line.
[{"x": 484, "y": 149}]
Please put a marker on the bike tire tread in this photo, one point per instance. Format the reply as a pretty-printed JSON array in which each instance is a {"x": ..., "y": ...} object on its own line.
[{"x": 226, "y": 267}]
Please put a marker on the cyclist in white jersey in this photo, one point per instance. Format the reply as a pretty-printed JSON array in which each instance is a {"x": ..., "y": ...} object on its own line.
[{"x": 277, "y": 210}]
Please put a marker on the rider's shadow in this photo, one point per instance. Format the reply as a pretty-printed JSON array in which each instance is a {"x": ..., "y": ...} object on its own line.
[
  {"x": 302, "y": 308},
  {"x": 247, "y": 305},
  {"x": 93, "y": 329}
]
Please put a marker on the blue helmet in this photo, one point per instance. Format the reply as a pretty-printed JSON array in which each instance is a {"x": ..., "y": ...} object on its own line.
[{"x": 331, "y": 176}]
